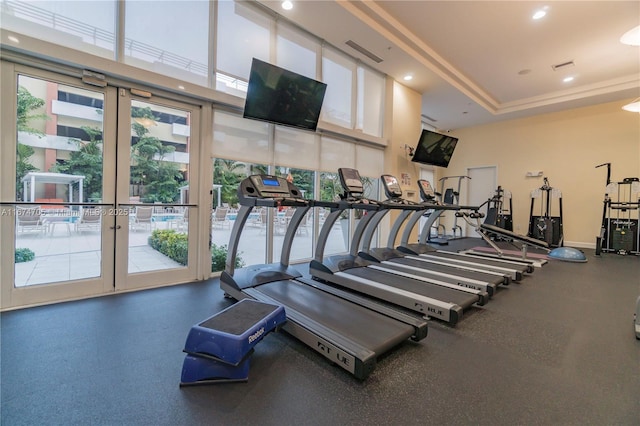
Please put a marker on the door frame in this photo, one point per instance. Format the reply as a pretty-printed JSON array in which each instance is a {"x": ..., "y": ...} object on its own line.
[
  {"x": 112, "y": 279},
  {"x": 124, "y": 281},
  {"x": 15, "y": 297}
]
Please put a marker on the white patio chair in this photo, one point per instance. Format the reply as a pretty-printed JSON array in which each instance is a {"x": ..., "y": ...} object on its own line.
[
  {"x": 143, "y": 218},
  {"x": 89, "y": 220},
  {"x": 29, "y": 219}
]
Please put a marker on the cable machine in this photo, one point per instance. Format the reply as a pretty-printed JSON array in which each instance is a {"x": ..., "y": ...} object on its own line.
[
  {"x": 545, "y": 226},
  {"x": 499, "y": 208},
  {"x": 619, "y": 231}
]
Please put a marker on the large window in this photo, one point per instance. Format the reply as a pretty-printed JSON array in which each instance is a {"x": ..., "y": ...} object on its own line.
[
  {"x": 209, "y": 44},
  {"x": 88, "y": 26},
  {"x": 181, "y": 52},
  {"x": 237, "y": 141},
  {"x": 296, "y": 52},
  {"x": 242, "y": 34},
  {"x": 227, "y": 175},
  {"x": 302, "y": 247},
  {"x": 238, "y": 138},
  {"x": 337, "y": 72},
  {"x": 370, "y": 102}
]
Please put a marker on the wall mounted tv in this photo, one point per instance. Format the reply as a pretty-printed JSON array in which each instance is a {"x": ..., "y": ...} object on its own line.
[
  {"x": 434, "y": 149},
  {"x": 283, "y": 97}
]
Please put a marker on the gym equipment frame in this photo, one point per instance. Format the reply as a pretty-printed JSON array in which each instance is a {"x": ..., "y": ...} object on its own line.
[{"x": 619, "y": 231}]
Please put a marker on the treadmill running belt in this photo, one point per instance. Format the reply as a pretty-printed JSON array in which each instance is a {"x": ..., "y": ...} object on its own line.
[
  {"x": 368, "y": 328},
  {"x": 491, "y": 278},
  {"x": 434, "y": 291}
]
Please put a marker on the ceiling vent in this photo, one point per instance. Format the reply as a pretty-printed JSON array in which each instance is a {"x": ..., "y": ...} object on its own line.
[
  {"x": 352, "y": 44},
  {"x": 563, "y": 65},
  {"x": 429, "y": 118}
]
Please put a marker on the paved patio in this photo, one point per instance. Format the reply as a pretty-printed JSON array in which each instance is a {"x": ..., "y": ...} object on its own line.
[{"x": 63, "y": 254}]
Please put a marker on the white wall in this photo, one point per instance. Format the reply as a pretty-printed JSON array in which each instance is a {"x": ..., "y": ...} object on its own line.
[{"x": 566, "y": 146}]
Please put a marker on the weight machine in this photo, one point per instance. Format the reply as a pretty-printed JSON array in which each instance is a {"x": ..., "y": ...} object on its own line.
[
  {"x": 546, "y": 227},
  {"x": 499, "y": 208},
  {"x": 448, "y": 197},
  {"x": 619, "y": 234}
]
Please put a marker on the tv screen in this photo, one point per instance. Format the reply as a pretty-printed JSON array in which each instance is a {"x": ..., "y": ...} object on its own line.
[
  {"x": 434, "y": 149},
  {"x": 283, "y": 97}
]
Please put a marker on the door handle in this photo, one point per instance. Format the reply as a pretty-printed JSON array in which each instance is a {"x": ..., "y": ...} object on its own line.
[{"x": 115, "y": 227}]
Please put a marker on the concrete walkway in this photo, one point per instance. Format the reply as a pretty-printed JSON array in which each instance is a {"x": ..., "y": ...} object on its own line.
[{"x": 64, "y": 254}]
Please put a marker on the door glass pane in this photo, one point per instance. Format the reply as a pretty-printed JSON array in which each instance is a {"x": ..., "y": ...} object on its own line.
[
  {"x": 227, "y": 175},
  {"x": 82, "y": 25},
  {"x": 182, "y": 52},
  {"x": 159, "y": 175},
  {"x": 59, "y": 161}
]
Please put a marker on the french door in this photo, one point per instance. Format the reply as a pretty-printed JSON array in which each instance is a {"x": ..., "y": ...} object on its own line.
[{"x": 96, "y": 194}]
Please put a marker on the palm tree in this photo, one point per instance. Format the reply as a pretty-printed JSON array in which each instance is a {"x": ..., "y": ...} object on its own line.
[
  {"x": 87, "y": 162},
  {"x": 159, "y": 179},
  {"x": 229, "y": 174}
]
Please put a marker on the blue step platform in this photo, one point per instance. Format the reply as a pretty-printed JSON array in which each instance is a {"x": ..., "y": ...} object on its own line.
[{"x": 219, "y": 348}]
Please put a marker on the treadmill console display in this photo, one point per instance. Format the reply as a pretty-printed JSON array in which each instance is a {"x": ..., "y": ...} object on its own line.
[
  {"x": 270, "y": 182},
  {"x": 268, "y": 186},
  {"x": 391, "y": 186},
  {"x": 426, "y": 191},
  {"x": 351, "y": 181}
]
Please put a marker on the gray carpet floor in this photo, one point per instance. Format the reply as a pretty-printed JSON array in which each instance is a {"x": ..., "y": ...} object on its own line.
[{"x": 558, "y": 348}]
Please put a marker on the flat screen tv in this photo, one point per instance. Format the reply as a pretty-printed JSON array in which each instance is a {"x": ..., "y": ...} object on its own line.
[
  {"x": 434, "y": 149},
  {"x": 283, "y": 97}
]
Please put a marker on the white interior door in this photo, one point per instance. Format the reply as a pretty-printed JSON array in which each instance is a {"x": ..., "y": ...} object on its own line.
[{"x": 481, "y": 187}]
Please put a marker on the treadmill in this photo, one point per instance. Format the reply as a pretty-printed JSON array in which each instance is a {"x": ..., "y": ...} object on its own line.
[
  {"x": 349, "y": 330},
  {"x": 512, "y": 270},
  {"x": 394, "y": 261},
  {"x": 364, "y": 277}
]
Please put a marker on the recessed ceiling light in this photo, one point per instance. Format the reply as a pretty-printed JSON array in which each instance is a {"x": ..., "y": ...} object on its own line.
[
  {"x": 568, "y": 79},
  {"x": 13, "y": 39},
  {"x": 407, "y": 77},
  {"x": 540, "y": 13},
  {"x": 181, "y": 87},
  {"x": 287, "y": 5},
  {"x": 631, "y": 37}
]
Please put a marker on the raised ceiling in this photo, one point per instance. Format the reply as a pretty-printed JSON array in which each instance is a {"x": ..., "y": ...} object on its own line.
[{"x": 477, "y": 62}]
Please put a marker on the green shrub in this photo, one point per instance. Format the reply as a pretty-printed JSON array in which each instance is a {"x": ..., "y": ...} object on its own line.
[
  {"x": 219, "y": 258},
  {"x": 24, "y": 255},
  {"x": 172, "y": 244},
  {"x": 175, "y": 245}
]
